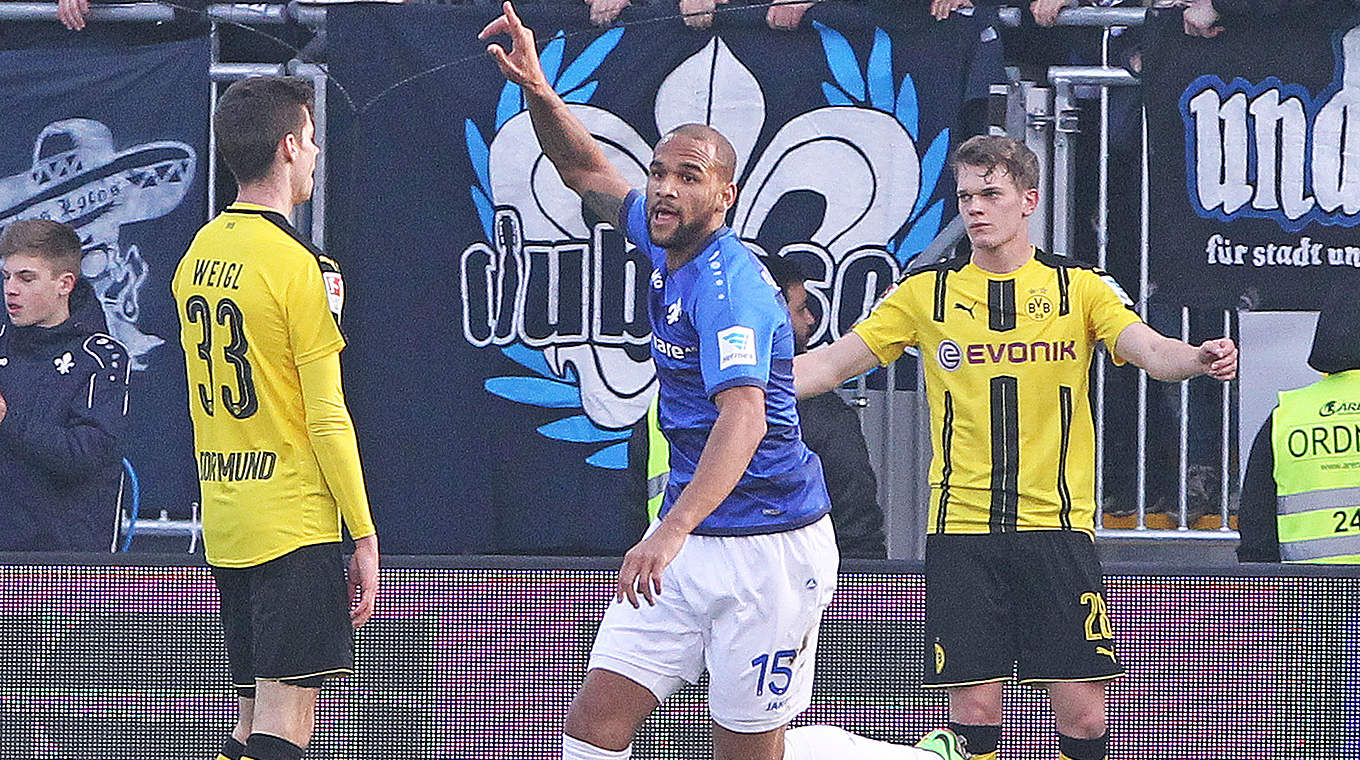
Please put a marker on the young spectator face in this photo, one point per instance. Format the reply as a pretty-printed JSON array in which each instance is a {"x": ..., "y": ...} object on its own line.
[
  {"x": 800, "y": 316},
  {"x": 35, "y": 292},
  {"x": 993, "y": 205}
]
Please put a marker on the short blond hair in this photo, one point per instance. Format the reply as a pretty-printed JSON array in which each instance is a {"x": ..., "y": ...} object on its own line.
[
  {"x": 990, "y": 151},
  {"x": 54, "y": 242}
]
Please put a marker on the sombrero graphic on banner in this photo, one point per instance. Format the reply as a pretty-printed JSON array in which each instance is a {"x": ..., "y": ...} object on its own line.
[{"x": 78, "y": 177}]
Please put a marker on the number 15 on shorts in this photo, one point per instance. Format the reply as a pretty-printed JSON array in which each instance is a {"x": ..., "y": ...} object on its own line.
[{"x": 776, "y": 667}]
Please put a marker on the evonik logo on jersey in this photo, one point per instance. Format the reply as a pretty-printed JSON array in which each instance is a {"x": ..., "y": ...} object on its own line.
[
  {"x": 1271, "y": 150},
  {"x": 951, "y": 356},
  {"x": 568, "y": 300}
]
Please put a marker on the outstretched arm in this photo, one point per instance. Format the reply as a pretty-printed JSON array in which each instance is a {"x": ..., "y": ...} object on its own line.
[
  {"x": 564, "y": 139},
  {"x": 826, "y": 367},
  {"x": 1174, "y": 360}
]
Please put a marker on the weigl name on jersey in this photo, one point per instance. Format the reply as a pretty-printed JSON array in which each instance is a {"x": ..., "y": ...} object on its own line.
[{"x": 212, "y": 273}]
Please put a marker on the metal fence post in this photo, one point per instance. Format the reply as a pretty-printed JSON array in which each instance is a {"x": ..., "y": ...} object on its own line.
[
  {"x": 1065, "y": 130},
  {"x": 1038, "y": 136}
]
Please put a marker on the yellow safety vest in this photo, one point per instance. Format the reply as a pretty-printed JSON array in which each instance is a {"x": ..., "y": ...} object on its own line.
[
  {"x": 1315, "y": 437},
  {"x": 658, "y": 460}
]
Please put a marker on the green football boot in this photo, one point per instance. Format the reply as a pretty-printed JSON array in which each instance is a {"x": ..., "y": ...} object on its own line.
[{"x": 945, "y": 743}]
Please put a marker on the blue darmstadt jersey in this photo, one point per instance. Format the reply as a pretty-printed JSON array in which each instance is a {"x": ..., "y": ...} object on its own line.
[{"x": 718, "y": 322}]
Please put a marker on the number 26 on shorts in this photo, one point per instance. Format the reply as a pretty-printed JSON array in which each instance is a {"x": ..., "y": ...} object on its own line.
[{"x": 778, "y": 668}]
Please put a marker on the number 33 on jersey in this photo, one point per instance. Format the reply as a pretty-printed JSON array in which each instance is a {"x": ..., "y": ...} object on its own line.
[{"x": 255, "y": 302}]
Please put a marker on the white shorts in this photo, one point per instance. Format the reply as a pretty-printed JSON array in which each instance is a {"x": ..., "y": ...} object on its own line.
[{"x": 747, "y": 608}]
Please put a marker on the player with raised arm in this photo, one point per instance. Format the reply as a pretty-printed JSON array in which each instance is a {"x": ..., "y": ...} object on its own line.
[
  {"x": 1007, "y": 336},
  {"x": 735, "y": 574},
  {"x": 278, "y": 465}
]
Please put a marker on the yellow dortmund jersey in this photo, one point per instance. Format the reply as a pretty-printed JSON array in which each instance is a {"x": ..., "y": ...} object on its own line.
[
  {"x": 1007, "y": 361},
  {"x": 254, "y": 304}
]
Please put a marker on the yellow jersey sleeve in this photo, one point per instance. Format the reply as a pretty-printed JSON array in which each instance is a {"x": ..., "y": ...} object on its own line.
[
  {"x": 1108, "y": 309},
  {"x": 312, "y": 331},
  {"x": 331, "y": 431},
  {"x": 892, "y": 326}
]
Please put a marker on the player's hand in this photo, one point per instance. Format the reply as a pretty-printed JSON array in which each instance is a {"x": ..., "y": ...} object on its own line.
[
  {"x": 362, "y": 579},
  {"x": 644, "y": 563},
  {"x": 786, "y": 16},
  {"x": 1220, "y": 356},
  {"x": 941, "y": 9},
  {"x": 698, "y": 13},
  {"x": 1046, "y": 11},
  {"x": 603, "y": 12},
  {"x": 4, "y": 408},
  {"x": 72, "y": 13},
  {"x": 1200, "y": 19},
  {"x": 520, "y": 65}
]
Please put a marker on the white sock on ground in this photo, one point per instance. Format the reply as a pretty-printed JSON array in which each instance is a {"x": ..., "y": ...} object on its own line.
[
  {"x": 575, "y": 749},
  {"x": 831, "y": 743}
]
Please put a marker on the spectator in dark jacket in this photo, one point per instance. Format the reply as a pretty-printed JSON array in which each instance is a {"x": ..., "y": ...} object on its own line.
[
  {"x": 63, "y": 396},
  {"x": 831, "y": 429}
]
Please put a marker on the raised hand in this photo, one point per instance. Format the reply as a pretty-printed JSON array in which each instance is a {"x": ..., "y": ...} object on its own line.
[{"x": 520, "y": 65}]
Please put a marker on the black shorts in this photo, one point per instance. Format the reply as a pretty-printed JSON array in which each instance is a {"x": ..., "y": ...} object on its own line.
[
  {"x": 287, "y": 619},
  {"x": 1029, "y": 604}
]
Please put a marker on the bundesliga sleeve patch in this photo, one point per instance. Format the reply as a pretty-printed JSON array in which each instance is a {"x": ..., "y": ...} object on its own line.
[
  {"x": 335, "y": 292},
  {"x": 736, "y": 345}
]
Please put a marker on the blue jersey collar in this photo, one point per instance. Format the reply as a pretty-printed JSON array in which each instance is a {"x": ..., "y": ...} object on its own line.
[{"x": 709, "y": 244}]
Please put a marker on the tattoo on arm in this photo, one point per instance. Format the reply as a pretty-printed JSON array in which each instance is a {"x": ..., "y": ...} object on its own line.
[{"x": 604, "y": 205}]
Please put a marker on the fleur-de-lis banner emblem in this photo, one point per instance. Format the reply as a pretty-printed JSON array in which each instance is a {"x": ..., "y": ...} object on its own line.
[{"x": 841, "y": 130}]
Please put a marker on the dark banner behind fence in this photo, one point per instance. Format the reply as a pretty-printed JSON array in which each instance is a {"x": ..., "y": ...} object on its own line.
[
  {"x": 499, "y": 365},
  {"x": 111, "y": 140},
  {"x": 1255, "y": 163}
]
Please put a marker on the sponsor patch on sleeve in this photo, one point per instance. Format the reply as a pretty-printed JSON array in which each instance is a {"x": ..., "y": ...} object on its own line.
[
  {"x": 736, "y": 345},
  {"x": 335, "y": 292}
]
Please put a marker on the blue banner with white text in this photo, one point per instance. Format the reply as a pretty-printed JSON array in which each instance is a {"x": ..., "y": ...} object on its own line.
[
  {"x": 499, "y": 368},
  {"x": 1255, "y": 162}
]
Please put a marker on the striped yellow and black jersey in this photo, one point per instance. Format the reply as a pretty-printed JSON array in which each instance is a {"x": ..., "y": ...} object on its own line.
[
  {"x": 255, "y": 303},
  {"x": 1007, "y": 363}
]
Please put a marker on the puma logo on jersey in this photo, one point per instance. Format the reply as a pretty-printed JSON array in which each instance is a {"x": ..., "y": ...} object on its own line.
[
  {"x": 1107, "y": 652},
  {"x": 968, "y": 309}
]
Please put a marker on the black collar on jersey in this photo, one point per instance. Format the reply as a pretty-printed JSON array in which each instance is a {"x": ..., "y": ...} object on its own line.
[{"x": 280, "y": 221}]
